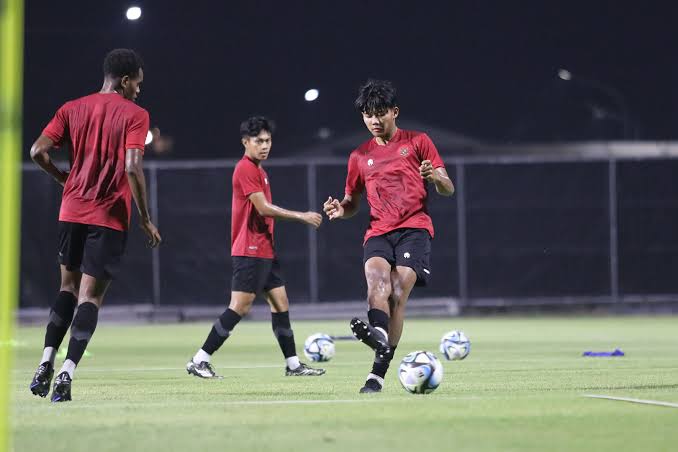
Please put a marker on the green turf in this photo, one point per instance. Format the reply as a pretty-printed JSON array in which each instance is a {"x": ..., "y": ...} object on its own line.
[{"x": 520, "y": 389}]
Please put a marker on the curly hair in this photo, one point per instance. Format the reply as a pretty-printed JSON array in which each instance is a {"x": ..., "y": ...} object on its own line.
[
  {"x": 375, "y": 97},
  {"x": 121, "y": 62}
]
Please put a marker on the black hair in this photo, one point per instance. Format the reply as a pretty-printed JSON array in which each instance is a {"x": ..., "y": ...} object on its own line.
[
  {"x": 376, "y": 97},
  {"x": 254, "y": 125},
  {"x": 121, "y": 62}
]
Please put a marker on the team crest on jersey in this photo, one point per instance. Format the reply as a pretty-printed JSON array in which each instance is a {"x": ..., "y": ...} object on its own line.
[
  {"x": 404, "y": 151},
  {"x": 370, "y": 162}
]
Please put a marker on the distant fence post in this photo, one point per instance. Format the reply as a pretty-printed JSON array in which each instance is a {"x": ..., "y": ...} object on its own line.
[
  {"x": 614, "y": 251},
  {"x": 460, "y": 193},
  {"x": 155, "y": 262},
  {"x": 311, "y": 179}
]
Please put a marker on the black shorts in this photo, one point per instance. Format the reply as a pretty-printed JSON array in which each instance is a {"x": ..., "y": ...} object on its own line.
[
  {"x": 254, "y": 274},
  {"x": 406, "y": 247},
  {"x": 93, "y": 250}
]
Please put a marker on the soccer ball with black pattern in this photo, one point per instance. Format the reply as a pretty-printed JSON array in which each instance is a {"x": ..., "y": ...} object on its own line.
[
  {"x": 455, "y": 345},
  {"x": 319, "y": 347},
  {"x": 420, "y": 372}
]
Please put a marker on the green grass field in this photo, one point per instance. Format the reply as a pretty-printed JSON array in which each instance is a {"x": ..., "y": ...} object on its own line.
[{"x": 520, "y": 389}]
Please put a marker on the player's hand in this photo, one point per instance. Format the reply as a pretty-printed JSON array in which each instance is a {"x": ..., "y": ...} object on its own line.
[
  {"x": 151, "y": 232},
  {"x": 426, "y": 170},
  {"x": 312, "y": 218},
  {"x": 333, "y": 208}
]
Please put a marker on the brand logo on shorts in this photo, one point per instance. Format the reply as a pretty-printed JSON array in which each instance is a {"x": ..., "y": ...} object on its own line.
[
  {"x": 426, "y": 271},
  {"x": 403, "y": 151},
  {"x": 406, "y": 255},
  {"x": 253, "y": 247},
  {"x": 266, "y": 180}
]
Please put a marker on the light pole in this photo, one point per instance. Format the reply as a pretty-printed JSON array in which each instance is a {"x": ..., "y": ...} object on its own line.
[{"x": 612, "y": 93}]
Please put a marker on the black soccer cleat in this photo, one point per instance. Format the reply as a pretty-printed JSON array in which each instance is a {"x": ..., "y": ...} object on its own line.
[
  {"x": 42, "y": 379},
  {"x": 371, "y": 386},
  {"x": 202, "y": 369},
  {"x": 62, "y": 388},
  {"x": 303, "y": 371},
  {"x": 371, "y": 336}
]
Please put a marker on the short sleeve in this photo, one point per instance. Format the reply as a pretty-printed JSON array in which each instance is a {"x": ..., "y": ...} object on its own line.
[
  {"x": 57, "y": 128},
  {"x": 427, "y": 151},
  {"x": 354, "y": 181},
  {"x": 248, "y": 179},
  {"x": 137, "y": 130}
]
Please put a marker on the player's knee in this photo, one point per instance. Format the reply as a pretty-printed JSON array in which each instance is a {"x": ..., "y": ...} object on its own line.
[
  {"x": 242, "y": 307},
  {"x": 378, "y": 283}
]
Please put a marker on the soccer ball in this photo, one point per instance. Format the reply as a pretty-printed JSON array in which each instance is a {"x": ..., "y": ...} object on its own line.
[
  {"x": 319, "y": 347},
  {"x": 420, "y": 372},
  {"x": 455, "y": 345}
]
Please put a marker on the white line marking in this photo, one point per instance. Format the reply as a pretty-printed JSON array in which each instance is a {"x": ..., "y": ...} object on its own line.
[
  {"x": 627, "y": 399},
  {"x": 180, "y": 403},
  {"x": 165, "y": 369}
]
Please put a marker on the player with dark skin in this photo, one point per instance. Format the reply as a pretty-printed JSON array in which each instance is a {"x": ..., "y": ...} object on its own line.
[
  {"x": 389, "y": 284},
  {"x": 89, "y": 289}
]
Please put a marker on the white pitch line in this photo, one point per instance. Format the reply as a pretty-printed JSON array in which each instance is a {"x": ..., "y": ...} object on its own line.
[
  {"x": 165, "y": 369},
  {"x": 627, "y": 399}
]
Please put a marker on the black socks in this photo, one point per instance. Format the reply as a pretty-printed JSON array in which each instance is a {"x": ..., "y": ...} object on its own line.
[
  {"x": 60, "y": 317},
  {"x": 84, "y": 324},
  {"x": 221, "y": 330},
  {"x": 280, "y": 321}
]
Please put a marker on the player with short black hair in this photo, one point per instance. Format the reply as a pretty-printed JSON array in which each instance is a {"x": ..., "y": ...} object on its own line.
[
  {"x": 255, "y": 266},
  {"x": 393, "y": 169},
  {"x": 105, "y": 134}
]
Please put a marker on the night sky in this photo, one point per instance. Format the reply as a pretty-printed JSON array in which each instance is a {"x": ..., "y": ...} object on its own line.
[{"x": 486, "y": 70}]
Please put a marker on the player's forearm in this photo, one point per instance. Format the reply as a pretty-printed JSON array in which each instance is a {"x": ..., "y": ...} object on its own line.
[
  {"x": 41, "y": 158},
  {"x": 350, "y": 208},
  {"x": 279, "y": 213},
  {"x": 444, "y": 185},
  {"x": 137, "y": 183}
]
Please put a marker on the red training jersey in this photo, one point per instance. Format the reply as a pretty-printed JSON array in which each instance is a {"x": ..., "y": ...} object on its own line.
[
  {"x": 98, "y": 129},
  {"x": 396, "y": 192},
  {"x": 251, "y": 233}
]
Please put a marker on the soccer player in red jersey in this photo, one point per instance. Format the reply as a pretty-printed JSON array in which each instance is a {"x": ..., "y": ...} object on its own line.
[
  {"x": 393, "y": 169},
  {"x": 255, "y": 266},
  {"x": 105, "y": 134}
]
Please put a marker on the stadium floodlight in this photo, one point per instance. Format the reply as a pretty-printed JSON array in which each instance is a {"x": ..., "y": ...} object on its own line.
[
  {"x": 311, "y": 95},
  {"x": 564, "y": 74},
  {"x": 133, "y": 13},
  {"x": 149, "y": 137}
]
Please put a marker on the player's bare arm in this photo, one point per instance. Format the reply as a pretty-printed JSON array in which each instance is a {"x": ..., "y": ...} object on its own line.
[
  {"x": 438, "y": 177},
  {"x": 40, "y": 155},
  {"x": 267, "y": 209},
  {"x": 137, "y": 182},
  {"x": 344, "y": 209}
]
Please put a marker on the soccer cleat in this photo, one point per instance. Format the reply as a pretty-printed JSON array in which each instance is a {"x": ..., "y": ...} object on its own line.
[
  {"x": 62, "y": 388},
  {"x": 303, "y": 371},
  {"x": 371, "y": 386},
  {"x": 42, "y": 379},
  {"x": 371, "y": 336},
  {"x": 203, "y": 369}
]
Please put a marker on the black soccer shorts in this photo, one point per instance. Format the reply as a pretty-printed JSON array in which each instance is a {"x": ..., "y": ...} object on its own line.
[
  {"x": 93, "y": 250},
  {"x": 256, "y": 274},
  {"x": 407, "y": 247}
]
